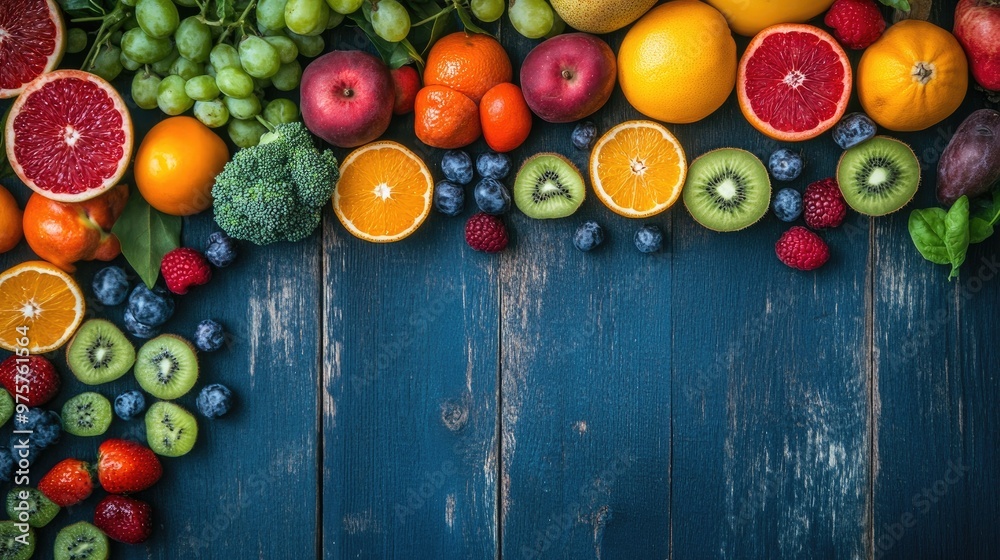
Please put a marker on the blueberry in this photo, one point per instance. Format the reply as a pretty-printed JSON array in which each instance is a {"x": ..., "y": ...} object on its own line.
[
  {"x": 583, "y": 135},
  {"x": 785, "y": 165},
  {"x": 45, "y": 426},
  {"x": 853, "y": 130},
  {"x": 150, "y": 307},
  {"x": 209, "y": 336},
  {"x": 649, "y": 239},
  {"x": 214, "y": 400},
  {"x": 221, "y": 250},
  {"x": 787, "y": 205},
  {"x": 110, "y": 285},
  {"x": 137, "y": 329},
  {"x": 588, "y": 236},
  {"x": 493, "y": 165},
  {"x": 457, "y": 167},
  {"x": 492, "y": 196},
  {"x": 129, "y": 404},
  {"x": 449, "y": 198},
  {"x": 6, "y": 464}
]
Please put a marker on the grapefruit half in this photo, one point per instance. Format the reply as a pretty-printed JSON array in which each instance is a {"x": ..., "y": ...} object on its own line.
[
  {"x": 793, "y": 82},
  {"x": 32, "y": 42},
  {"x": 69, "y": 136}
]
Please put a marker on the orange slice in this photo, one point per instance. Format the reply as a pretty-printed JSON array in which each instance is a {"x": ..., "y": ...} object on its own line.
[
  {"x": 638, "y": 169},
  {"x": 40, "y": 307},
  {"x": 384, "y": 192}
]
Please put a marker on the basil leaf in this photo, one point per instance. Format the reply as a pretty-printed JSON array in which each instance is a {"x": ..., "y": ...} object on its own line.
[
  {"x": 146, "y": 234},
  {"x": 979, "y": 230},
  {"x": 927, "y": 230},
  {"x": 956, "y": 236},
  {"x": 82, "y": 8}
]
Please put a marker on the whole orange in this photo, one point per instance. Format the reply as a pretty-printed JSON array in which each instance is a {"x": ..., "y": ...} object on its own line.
[
  {"x": 505, "y": 117},
  {"x": 913, "y": 77},
  {"x": 66, "y": 232},
  {"x": 445, "y": 118},
  {"x": 11, "y": 231},
  {"x": 176, "y": 166},
  {"x": 471, "y": 63}
]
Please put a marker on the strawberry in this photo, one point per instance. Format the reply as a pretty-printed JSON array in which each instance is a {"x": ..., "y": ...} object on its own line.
[
  {"x": 124, "y": 519},
  {"x": 70, "y": 482},
  {"x": 126, "y": 466},
  {"x": 36, "y": 377}
]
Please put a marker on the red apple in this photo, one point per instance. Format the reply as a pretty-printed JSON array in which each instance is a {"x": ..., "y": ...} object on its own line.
[
  {"x": 406, "y": 83},
  {"x": 347, "y": 98},
  {"x": 977, "y": 27},
  {"x": 568, "y": 77}
]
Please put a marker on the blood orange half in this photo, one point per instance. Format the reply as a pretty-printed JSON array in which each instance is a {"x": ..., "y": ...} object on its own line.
[
  {"x": 32, "y": 42},
  {"x": 69, "y": 136},
  {"x": 794, "y": 82}
]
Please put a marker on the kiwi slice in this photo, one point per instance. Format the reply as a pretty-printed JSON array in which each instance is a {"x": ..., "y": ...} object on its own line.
[
  {"x": 170, "y": 429},
  {"x": 878, "y": 176},
  {"x": 14, "y": 543},
  {"x": 549, "y": 186},
  {"x": 81, "y": 541},
  {"x": 87, "y": 414},
  {"x": 167, "y": 367},
  {"x": 28, "y": 505},
  {"x": 727, "y": 189},
  {"x": 99, "y": 353},
  {"x": 6, "y": 406}
]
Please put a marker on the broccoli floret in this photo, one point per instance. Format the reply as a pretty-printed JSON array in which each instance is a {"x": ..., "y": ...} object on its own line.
[{"x": 275, "y": 191}]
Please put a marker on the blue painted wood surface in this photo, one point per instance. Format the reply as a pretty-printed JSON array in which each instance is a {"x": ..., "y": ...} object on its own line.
[{"x": 419, "y": 400}]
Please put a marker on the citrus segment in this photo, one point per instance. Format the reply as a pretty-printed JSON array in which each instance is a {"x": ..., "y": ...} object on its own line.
[
  {"x": 32, "y": 42},
  {"x": 384, "y": 192},
  {"x": 40, "y": 305},
  {"x": 638, "y": 169}
]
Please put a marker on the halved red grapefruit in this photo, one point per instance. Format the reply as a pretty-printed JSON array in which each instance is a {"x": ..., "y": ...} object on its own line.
[
  {"x": 793, "y": 82},
  {"x": 69, "y": 136},
  {"x": 32, "y": 42}
]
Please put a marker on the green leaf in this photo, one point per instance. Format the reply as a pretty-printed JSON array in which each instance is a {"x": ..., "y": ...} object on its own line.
[
  {"x": 146, "y": 234},
  {"x": 979, "y": 230},
  {"x": 82, "y": 8},
  {"x": 393, "y": 54},
  {"x": 470, "y": 25},
  {"x": 898, "y": 4},
  {"x": 956, "y": 235},
  {"x": 927, "y": 230}
]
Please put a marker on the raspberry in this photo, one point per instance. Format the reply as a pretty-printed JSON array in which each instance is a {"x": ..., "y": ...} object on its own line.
[
  {"x": 856, "y": 23},
  {"x": 824, "y": 204},
  {"x": 802, "y": 249},
  {"x": 485, "y": 232},
  {"x": 183, "y": 268}
]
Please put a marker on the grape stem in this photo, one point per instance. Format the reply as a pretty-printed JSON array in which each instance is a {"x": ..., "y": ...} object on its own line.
[
  {"x": 238, "y": 23},
  {"x": 110, "y": 23},
  {"x": 445, "y": 11}
]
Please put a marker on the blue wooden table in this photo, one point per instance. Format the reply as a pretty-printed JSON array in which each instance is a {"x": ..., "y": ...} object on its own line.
[{"x": 421, "y": 401}]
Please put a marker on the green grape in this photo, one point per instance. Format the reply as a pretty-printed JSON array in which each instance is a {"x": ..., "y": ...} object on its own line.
[
  {"x": 234, "y": 82},
  {"x": 487, "y": 10},
  {"x": 144, "y": 89},
  {"x": 391, "y": 21},
  {"x": 128, "y": 63},
  {"x": 162, "y": 66},
  {"x": 306, "y": 17},
  {"x": 186, "y": 3},
  {"x": 281, "y": 111},
  {"x": 107, "y": 63},
  {"x": 336, "y": 18},
  {"x": 288, "y": 77},
  {"x": 201, "y": 88},
  {"x": 245, "y": 133},
  {"x": 261, "y": 83},
  {"x": 76, "y": 40},
  {"x": 531, "y": 18},
  {"x": 186, "y": 69},
  {"x": 171, "y": 97},
  {"x": 212, "y": 113},
  {"x": 193, "y": 39},
  {"x": 144, "y": 49},
  {"x": 287, "y": 51},
  {"x": 309, "y": 46},
  {"x": 558, "y": 25},
  {"x": 210, "y": 70},
  {"x": 258, "y": 57},
  {"x": 271, "y": 14},
  {"x": 243, "y": 108},
  {"x": 158, "y": 18},
  {"x": 345, "y": 7},
  {"x": 116, "y": 38},
  {"x": 129, "y": 3},
  {"x": 224, "y": 55}
]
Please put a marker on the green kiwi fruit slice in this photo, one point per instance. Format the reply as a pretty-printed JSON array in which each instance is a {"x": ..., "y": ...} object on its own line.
[
  {"x": 171, "y": 430},
  {"x": 28, "y": 505},
  {"x": 879, "y": 176},
  {"x": 6, "y": 406},
  {"x": 167, "y": 367},
  {"x": 727, "y": 189},
  {"x": 81, "y": 541},
  {"x": 87, "y": 414},
  {"x": 549, "y": 186},
  {"x": 99, "y": 353},
  {"x": 14, "y": 543}
]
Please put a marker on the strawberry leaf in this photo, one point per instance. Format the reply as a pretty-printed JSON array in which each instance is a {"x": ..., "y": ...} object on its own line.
[{"x": 146, "y": 234}]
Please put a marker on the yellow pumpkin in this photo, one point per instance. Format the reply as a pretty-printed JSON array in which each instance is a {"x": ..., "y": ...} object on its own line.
[{"x": 747, "y": 17}]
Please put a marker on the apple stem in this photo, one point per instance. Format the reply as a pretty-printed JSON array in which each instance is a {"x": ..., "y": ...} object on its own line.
[
  {"x": 567, "y": 75},
  {"x": 348, "y": 92}
]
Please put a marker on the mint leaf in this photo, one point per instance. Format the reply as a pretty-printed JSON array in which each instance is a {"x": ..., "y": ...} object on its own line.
[
  {"x": 146, "y": 234},
  {"x": 898, "y": 4}
]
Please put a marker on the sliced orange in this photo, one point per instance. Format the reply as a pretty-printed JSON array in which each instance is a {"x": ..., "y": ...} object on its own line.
[
  {"x": 638, "y": 169},
  {"x": 40, "y": 307},
  {"x": 384, "y": 192}
]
